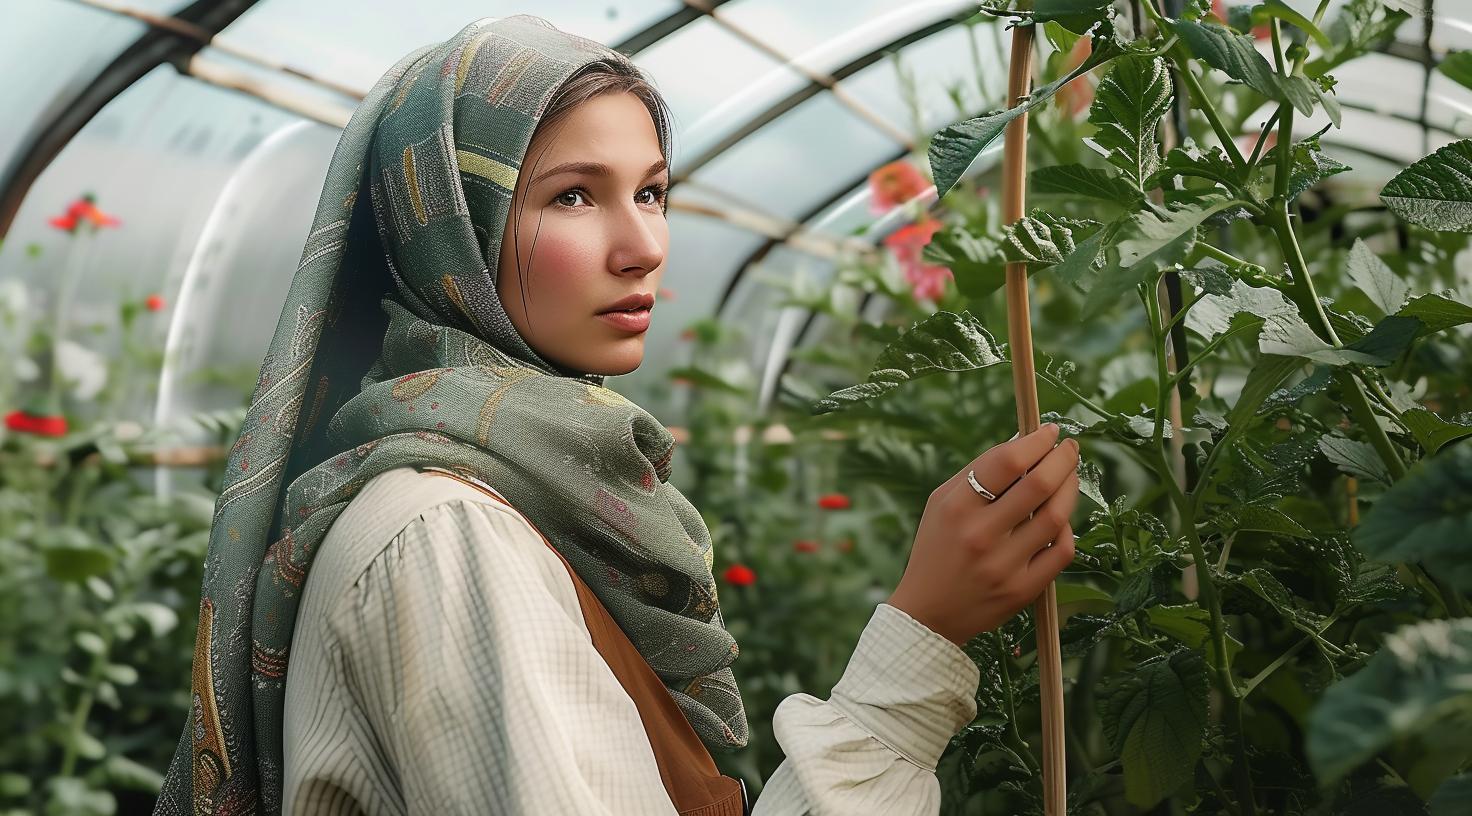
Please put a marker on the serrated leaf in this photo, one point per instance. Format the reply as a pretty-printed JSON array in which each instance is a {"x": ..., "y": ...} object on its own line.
[
  {"x": 1316, "y": 381},
  {"x": 1360, "y": 26},
  {"x": 1155, "y": 719},
  {"x": 942, "y": 342},
  {"x": 1191, "y": 625},
  {"x": 954, "y": 149},
  {"x": 1269, "y": 520},
  {"x": 1436, "y": 313},
  {"x": 1375, "y": 278},
  {"x": 1431, "y": 431},
  {"x": 975, "y": 261},
  {"x": 1311, "y": 165},
  {"x": 1078, "y": 180},
  {"x": 1232, "y": 53},
  {"x": 1406, "y": 689},
  {"x": 1426, "y": 517},
  {"x": 1210, "y": 163},
  {"x": 1435, "y": 192},
  {"x": 1043, "y": 239},
  {"x": 1357, "y": 459},
  {"x": 1128, "y": 106},
  {"x": 1143, "y": 243},
  {"x": 1208, "y": 278}
]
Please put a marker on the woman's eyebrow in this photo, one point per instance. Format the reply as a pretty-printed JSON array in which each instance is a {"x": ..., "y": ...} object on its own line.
[{"x": 593, "y": 169}]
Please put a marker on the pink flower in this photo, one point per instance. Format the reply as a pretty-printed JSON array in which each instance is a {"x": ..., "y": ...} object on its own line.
[
  {"x": 927, "y": 281},
  {"x": 154, "y": 303},
  {"x": 893, "y": 184}
]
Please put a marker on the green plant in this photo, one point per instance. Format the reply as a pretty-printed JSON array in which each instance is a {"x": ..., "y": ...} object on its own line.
[{"x": 1271, "y": 363}]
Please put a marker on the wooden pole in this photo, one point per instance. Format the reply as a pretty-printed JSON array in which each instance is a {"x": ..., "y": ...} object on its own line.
[{"x": 1025, "y": 386}]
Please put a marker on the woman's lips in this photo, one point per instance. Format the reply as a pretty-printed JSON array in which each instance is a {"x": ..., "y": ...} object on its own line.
[{"x": 635, "y": 321}]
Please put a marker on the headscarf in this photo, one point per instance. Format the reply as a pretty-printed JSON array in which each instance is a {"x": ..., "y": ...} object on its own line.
[{"x": 394, "y": 350}]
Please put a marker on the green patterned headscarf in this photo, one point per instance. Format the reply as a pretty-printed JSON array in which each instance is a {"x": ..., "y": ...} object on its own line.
[{"x": 394, "y": 350}]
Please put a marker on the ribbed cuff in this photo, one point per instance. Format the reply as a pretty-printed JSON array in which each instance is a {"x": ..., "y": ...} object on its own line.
[{"x": 908, "y": 686}]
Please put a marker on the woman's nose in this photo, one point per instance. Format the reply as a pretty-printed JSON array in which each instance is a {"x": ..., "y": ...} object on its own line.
[{"x": 637, "y": 243}]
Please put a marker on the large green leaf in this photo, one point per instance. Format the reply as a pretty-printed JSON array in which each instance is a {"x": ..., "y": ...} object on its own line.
[
  {"x": 1043, "y": 239},
  {"x": 975, "y": 260},
  {"x": 1436, "y": 313},
  {"x": 1421, "y": 675},
  {"x": 1234, "y": 54},
  {"x": 1144, "y": 242},
  {"x": 1078, "y": 180},
  {"x": 1361, "y": 26},
  {"x": 957, "y": 146},
  {"x": 1128, "y": 106},
  {"x": 1435, "y": 192},
  {"x": 1375, "y": 278},
  {"x": 1426, "y": 517},
  {"x": 1155, "y": 718},
  {"x": 1357, "y": 459},
  {"x": 1431, "y": 431},
  {"x": 942, "y": 342},
  {"x": 1458, "y": 67},
  {"x": 1311, "y": 165},
  {"x": 1077, "y": 16}
]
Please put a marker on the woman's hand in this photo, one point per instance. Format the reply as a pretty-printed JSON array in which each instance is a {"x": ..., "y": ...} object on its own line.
[{"x": 976, "y": 562}]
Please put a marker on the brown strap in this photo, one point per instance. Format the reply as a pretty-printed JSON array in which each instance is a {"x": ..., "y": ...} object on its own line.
[{"x": 695, "y": 785}]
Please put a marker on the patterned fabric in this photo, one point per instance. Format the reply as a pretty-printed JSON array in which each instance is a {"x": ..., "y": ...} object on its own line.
[
  {"x": 403, "y": 702},
  {"x": 393, "y": 350}
]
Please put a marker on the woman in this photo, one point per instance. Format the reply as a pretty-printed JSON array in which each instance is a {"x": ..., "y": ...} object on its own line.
[{"x": 509, "y": 609}]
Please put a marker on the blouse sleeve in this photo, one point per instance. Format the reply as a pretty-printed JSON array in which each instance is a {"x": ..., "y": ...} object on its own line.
[
  {"x": 873, "y": 745},
  {"x": 479, "y": 679}
]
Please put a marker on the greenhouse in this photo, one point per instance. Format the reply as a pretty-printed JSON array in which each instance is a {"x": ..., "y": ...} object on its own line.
[{"x": 1009, "y": 407}]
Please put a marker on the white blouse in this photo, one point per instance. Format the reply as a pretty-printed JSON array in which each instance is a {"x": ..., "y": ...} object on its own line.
[{"x": 441, "y": 665}]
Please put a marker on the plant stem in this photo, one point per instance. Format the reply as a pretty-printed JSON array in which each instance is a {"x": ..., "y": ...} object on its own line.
[
  {"x": 1183, "y": 68},
  {"x": 1013, "y": 735}
]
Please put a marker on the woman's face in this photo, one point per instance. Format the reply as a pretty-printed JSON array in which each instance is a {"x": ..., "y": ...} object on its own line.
[{"x": 598, "y": 236}]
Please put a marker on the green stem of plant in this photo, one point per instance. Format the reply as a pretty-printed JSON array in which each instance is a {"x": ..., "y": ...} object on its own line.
[
  {"x": 1203, "y": 248},
  {"x": 1013, "y": 735},
  {"x": 1186, "y": 512},
  {"x": 1198, "y": 95},
  {"x": 78, "y": 724},
  {"x": 1088, "y": 403}
]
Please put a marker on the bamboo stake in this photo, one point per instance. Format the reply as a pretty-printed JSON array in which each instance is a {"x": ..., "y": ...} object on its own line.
[{"x": 1025, "y": 386}]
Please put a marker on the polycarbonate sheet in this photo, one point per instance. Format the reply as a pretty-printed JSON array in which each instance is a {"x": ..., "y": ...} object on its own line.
[
  {"x": 713, "y": 81},
  {"x": 157, "y": 158},
  {"x": 800, "y": 159},
  {"x": 357, "y": 41},
  {"x": 52, "y": 49}
]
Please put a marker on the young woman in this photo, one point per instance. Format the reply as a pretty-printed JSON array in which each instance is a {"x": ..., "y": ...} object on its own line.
[{"x": 509, "y": 608}]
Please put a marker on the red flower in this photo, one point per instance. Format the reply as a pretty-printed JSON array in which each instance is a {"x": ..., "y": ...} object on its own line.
[
  {"x": 893, "y": 184},
  {"x": 805, "y": 545},
  {"x": 928, "y": 282},
  {"x": 39, "y": 425},
  {"x": 82, "y": 209},
  {"x": 154, "y": 303},
  {"x": 739, "y": 575},
  {"x": 834, "y": 501},
  {"x": 845, "y": 545}
]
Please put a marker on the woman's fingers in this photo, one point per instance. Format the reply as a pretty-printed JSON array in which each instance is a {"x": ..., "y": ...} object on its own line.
[
  {"x": 1003, "y": 464},
  {"x": 1049, "y": 561},
  {"x": 1044, "y": 526},
  {"x": 1023, "y": 498}
]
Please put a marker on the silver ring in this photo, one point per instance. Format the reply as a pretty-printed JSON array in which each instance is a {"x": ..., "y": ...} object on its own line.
[{"x": 975, "y": 485}]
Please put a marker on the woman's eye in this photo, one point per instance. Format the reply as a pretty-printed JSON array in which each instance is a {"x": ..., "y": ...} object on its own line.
[{"x": 568, "y": 198}]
